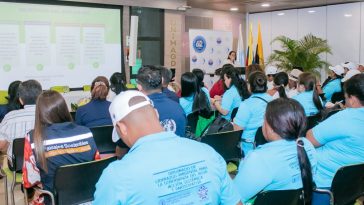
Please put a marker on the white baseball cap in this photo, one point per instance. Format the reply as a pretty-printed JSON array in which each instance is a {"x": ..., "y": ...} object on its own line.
[
  {"x": 271, "y": 70},
  {"x": 120, "y": 107},
  {"x": 338, "y": 69},
  {"x": 350, "y": 74},
  {"x": 294, "y": 74},
  {"x": 350, "y": 65}
]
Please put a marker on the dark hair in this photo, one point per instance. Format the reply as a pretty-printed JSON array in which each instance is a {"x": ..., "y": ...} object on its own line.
[
  {"x": 117, "y": 83},
  {"x": 200, "y": 76},
  {"x": 355, "y": 87},
  {"x": 150, "y": 78},
  {"x": 258, "y": 82},
  {"x": 166, "y": 76},
  {"x": 308, "y": 80},
  {"x": 230, "y": 54},
  {"x": 99, "y": 88},
  {"x": 253, "y": 68},
  {"x": 236, "y": 80},
  {"x": 189, "y": 84},
  {"x": 298, "y": 68},
  {"x": 287, "y": 118},
  {"x": 281, "y": 81},
  {"x": 13, "y": 97},
  {"x": 29, "y": 91},
  {"x": 50, "y": 108}
]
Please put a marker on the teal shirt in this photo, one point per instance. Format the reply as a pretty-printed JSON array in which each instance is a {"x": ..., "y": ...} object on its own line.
[
  {"x": 230, "y": 100},
  {"x": 306, "y": 100},
  {"x": 163, "y": 168},
  {"x": 186, "y": 103},
  {"x": 342, "y": 140},
  {"x": 272, "y": 166},
  {"x": 250, "y": 117},
  {"x": 332, "y": 87}
]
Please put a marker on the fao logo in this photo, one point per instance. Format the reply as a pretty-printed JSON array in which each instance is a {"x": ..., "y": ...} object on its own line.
[{"x": 199, "y": 44}]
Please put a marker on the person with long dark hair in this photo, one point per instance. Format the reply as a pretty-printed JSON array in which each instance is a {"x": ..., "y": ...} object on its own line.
[
  {"x": 117, "y": 85},
  {"x": 13, "y": 99},
  {"x": 236, "y": 92},
  {"x": 54, "y": 142},
  {"x": 250, "y": 115},
  {"x": 192, "y": 97},
  {"x": 339, "y": 140},
  {"x": 286, "y": 161},
  {"x": 231, "y": 59},
  {"x": 333, "y": 83},
  {"x": 308, "y": 94},
  {"x": 280, "y": 86},
  {"x": 96, "y": 112}
]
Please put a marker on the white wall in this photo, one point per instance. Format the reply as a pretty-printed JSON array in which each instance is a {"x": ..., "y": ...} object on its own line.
[{"x": 342, "y": 25}]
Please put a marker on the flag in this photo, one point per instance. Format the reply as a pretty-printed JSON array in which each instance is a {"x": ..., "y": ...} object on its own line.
[
  {"x": 259, "y": 57},
  {"x": 240, "y": 48},
  {"x": 249, "y": 57}
]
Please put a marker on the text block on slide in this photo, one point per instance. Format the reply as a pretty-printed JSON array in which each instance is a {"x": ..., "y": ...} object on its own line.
[
  {"x": 9, "y": 46},
  {"x": 68, "y": 45},
  {"x": 93, "y": 45}
]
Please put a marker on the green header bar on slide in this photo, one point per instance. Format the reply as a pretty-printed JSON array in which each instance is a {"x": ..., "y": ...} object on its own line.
[{"x": 53, "y": 15}]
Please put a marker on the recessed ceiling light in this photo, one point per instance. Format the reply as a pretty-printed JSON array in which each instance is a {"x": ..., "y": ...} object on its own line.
[
  {"x": 234, "y": 9},
  {"x": 348, "y": 15},
  {"x": 280, "y": 14},
  {"x": 265, "y": 5},
  {"x": 311, "y": 11}
]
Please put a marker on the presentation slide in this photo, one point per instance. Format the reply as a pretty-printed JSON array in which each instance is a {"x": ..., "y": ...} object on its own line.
[{"x": 58, "y": 45}]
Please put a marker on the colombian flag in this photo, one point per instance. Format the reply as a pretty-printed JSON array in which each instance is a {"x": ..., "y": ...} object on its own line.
[
  {"x": 259, "y": 57},
  {"x": 249, "y": 57}
]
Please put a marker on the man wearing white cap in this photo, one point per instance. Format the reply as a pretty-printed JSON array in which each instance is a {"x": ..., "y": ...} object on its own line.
[
  {"x": 333, "y": 83},
  {"x": 160, "y": 168},
  {"x": 349, "y": 66},
  {"x": 361, "y": 67},
  {"x": 270, "y": 71},
  {"x": 350, "y": 74},
  {"x": 292, "y": 83}
]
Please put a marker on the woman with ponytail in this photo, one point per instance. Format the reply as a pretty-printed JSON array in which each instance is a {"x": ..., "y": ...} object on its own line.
[
  {"x": 286, "y": 161},
  {"x": 308, "y": 94},
  {"x": 280, "y": 83},
  {"x": 236, "y": 92},
  {"x": 96, "y": 112},
  {"x": 333, "y": 83}
]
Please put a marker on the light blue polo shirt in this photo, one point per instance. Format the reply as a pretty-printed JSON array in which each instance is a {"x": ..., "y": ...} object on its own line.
[
  {"x": 306, "y": 100},
  {"x": 332, "y": 87},
  {"x": 230, "y": 100},
  {"x": 342, "y": 140},
  {"x": 272, "y": 166},
  {"x": 163, "y": 168},
  {"x": 186, "y": 103},
  {"x": 250, "y": 117}
]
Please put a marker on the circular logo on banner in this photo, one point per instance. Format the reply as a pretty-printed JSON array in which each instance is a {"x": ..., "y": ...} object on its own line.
[
  {"x": 199, "y": 44},
  {"x": 194, "y": 59},
  {"x": 211, "y": 62},
  {"x": 218, "y": 40}
]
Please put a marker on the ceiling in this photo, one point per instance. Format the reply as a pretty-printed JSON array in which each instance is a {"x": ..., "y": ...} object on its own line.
[{"x": 252, "y": 6}]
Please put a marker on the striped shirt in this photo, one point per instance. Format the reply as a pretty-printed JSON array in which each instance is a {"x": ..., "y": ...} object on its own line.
[{"x": 16, "y": 124}]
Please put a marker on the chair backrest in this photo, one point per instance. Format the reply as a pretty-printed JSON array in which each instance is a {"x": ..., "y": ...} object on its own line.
[
  {"x": 3, "y": 95},
  {"x": 225, "y": 143},
  {"x": 259, "y": 137},
  {"x": 233, "y": 113},
  {"x": 279, "y": 197},
  {"x": 18, "y": 155},
  {"x": 348, "y": 184},
  {"x": 103, "y": 139},
  {"x": 75, "y": 184},
  {"x": 192, "y": 120}
]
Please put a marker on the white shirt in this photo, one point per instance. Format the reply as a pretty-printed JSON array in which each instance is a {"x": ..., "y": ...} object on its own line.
[
  {"x": 292, "y": 92},
  {"x": 16, "y": 124}
]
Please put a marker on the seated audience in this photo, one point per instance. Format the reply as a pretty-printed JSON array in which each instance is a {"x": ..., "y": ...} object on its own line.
[
  {"x": 200, "y": 74},
  {"x": 117, "y": 85},
  {"x": 250, "y": 115},
  {"x": 292, "y": 83},
  {"x": 333, "y": 83},
  {"x": 166, "y": 79},
  {"x": 54, "y": 142},
  {"x": 253, "y": 68},
  {"x": 95, "y": 113},
  {"x": 160, "y": 163},
  {"x": 349, "y": 66},
  {"x": 18, "y": 122},
  {"x": 288, "y": 156},
  {"x": 218, "y": 87},
  {"x": 280, "y": 86},
  {"x": 236, "y": 92},
  {"x": 13, "y": 100},
  {"x": 339, "y": 140},
  {"x": 270, "y": 71},
  {"x": 308, "y": 95}
]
